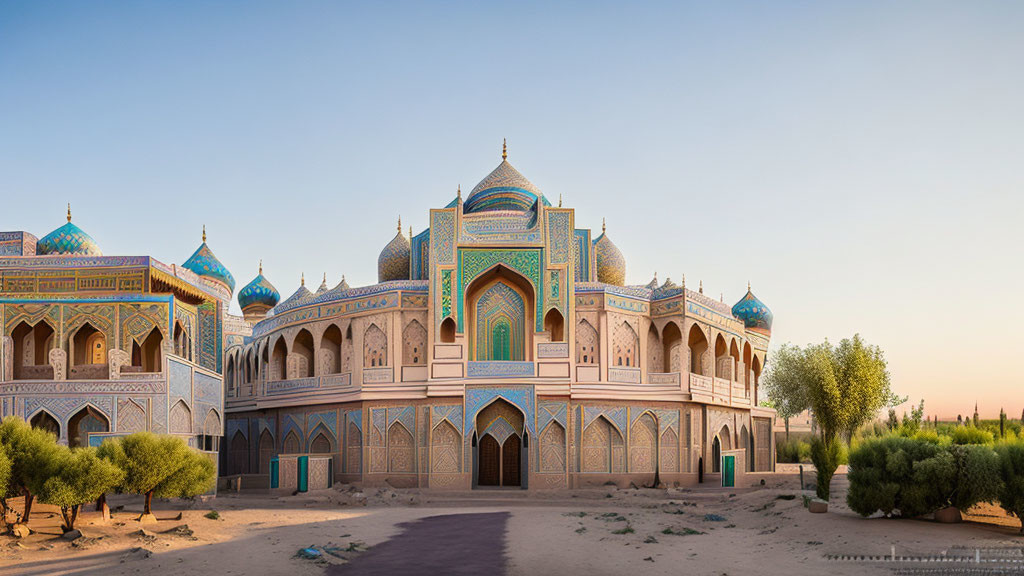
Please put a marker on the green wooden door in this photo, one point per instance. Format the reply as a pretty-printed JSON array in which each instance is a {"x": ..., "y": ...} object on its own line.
[
  {"x": 728, "y": 471},
  {"x": 303, "y": 473},
  {"x": 273, "y": 472},
  {"x": 500, "y": 349}
]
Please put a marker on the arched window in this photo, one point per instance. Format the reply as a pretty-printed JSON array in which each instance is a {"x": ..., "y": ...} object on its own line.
[
  {"x": 279, "y": 361},
  {"x": 555, "y": 325},
  {"x": 146, "y": 356},
  {"x": 302, "y": 352},
  {"x": 32, "y": 345},
  {"x": 86, "y": 422},
  {"x": 672, "y": 340},
  {"x": 330, "y": 351},
  {"x": 448, "y": 330},
  {"x": 182, "y": 341},
  {"x": 346, "y": 350},
  {"x": 654, "y": 351},
  {"x": 698, "y": 345},
  {"x": 587, "y": 343},
  {"x": 626, "y": 345},
  {"x": 45, "y": 421},
  {"x": 723, "y": 362},
  {"x": 414, "y": 345},
  {"x": 89, "y": 361}
]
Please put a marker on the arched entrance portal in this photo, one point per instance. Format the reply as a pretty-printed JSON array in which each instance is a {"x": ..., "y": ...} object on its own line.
[
  {"x": 500, "y": 446},
  {"x": 500, "y": 316}
]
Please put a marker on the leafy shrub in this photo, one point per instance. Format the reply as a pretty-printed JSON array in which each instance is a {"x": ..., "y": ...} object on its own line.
[
  {"x": 1011, "y": 472},
  {"x": 80, "y": 477},
  {"x": 972, "y": 435},
  {"x": 882, "y": 476},
  {"x": 793, "y": 451},
  {"x": 960, "y": 476},
  {"x": 33, "y": 454},
  {"x": 825, "y": 456}
]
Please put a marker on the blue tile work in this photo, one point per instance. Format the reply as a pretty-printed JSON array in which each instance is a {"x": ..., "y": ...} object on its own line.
[
  {"x": 68, "y": 239},
  {"x": 237, "y": 425},
  {"x": 420, "y": 256},
  {"x": 499, "y": 369},
  {"x": 754, "y": 314},
  {"x": 179, "y": 381},
  {"x": 581, "y": 255},
  {"x": 328, "y": 418},
  {"x": 393, "y": 262},
  {"x": 406, "y": 415},
  {"x": 452, "y": 414},
  {"x": 615, "y": 414},
  {"x": 503, "y": 189},
  {"x": 205, "y": 264},
  {"x": 521, "y": 397},
  {"x": 548, "y": 411},
  {"x": 259, "y": 291}
]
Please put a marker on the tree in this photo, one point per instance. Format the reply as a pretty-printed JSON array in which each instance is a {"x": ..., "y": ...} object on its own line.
[
  {"x": 33, "y": 454},
  {"x": 5, "y": 478},
  {"x": 80, "y": 476},
  {"x": 893, "y": 422},
  {"x": 1011, "y": 465},
  {"x": 1002, "y": 423},
  {"x": 844, "y": 385},
  {"x": 161, "y": 466}
]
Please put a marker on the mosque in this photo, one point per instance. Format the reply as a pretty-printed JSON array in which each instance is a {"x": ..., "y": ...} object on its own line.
[{"x": 499, "y": 348}]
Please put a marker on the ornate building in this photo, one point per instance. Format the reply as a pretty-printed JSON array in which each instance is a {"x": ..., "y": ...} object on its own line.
[
  {"x": 96, "y": 346},
  {"x": 499, "y": 348}
]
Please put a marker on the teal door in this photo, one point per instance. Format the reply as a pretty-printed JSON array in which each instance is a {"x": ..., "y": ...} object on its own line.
[
  {"x": 500, "y": 342},
  {"x": 273, "y": 472},
  {"x": 303, "y": 473},
  {"x": 728, "y": 471}
]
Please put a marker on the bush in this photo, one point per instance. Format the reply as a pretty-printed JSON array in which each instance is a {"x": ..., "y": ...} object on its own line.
[
  {"x": 959, "y": 476},
  {"x": 882, "y": 477},
  {"x": 32, "y": 453},
  {"x": 793, "y": 451},
  {"x": 826, "y": 456},
  {"x": 1011, "y": 472},
  {"x": 972, "y": 435}
]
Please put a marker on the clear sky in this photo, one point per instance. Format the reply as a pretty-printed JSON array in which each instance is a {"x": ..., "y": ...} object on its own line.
[{"x": 860, "y": 163}]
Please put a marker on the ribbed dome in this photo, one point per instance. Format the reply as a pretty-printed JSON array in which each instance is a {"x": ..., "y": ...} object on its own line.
[
  {"x": 503, "y": 189},
  {"x": 611, "y": 264},
  {"x": 754, "y": 314},
  {"x": 258, "y": 294},
  {"x": 205, "y": 264},
  {"x": 393, "y": 262},
  {"x": 68, "y": 239}
]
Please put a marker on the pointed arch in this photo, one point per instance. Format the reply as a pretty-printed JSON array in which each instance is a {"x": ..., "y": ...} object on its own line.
[
  {"x": 734, "y": 356},
  {"x": 44, "y": 420},
  {"x": 668, "y": 451},
  {"x": 330, "y": 351},
  {"x": 131, "y": 417},
  {"x": 238, "y": 454},
  {"x": 89, "y": 360},
  {"x": 554, "y": 324},
  {"x": 552, "y": 448},
  {"x": 322, "y": 442},
  {"x": 723, "y": 362},
  {"x": 603, "y": 449},
  {"x": 747, "y": 444},
  {"x": 587, "y": 343},
  {"x": 182, "y": 341},
  {"x": 448, "y": 330},
  {"x": 354, "y": 450},
  {"x": 500, "y": 315},
  {"x": 292, "y": 445},
  {"x": 643, "y": 445},
  {"x": 655, "y": 361},
  {"x": 279, "y": 361},
  {"x": 302, "y": 355},
  {"x": 375, "y": 347},
  {"x": 180, "y": 418},
  {"x": 672, "y": 344},
  {"x": 147, "y": 355},
  {"x": 265, "y": 445},
  {"x": 445, "y": 449},
  {"x": 401, "y": 450},
  {"x": 32, "y": 345},
  {"x": 626, "y": 345},
  {"x": 211, "y": 425},
  {"x": 87, "y": 421},
  {"x": 697, "y": 343},
  {"x": 414, "y": 344}
]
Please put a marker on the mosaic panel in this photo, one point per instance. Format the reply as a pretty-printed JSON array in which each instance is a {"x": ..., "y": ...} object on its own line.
[
  {"x": 559, "y": 236},
  {"x": 519, "y": 396},
  {"x": 179, "y": 379},
  {"x": 442, "y": 236},
  {"x": 451, "y": 413},
  {"x": 474, "y": 262},
  {"x": 404, "y": 414},
  {"x": 615, "y": 414}
]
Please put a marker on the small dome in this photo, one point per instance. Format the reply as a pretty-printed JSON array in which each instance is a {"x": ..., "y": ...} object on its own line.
[
  {"x": 259, "y": 293},
  {"x": 393, "y": 262},
  {"x": 503, "y": 189},
  {"x": 754, "y": 314},
  {"x": 68, "y": 239},
  {"x": 611, "y": 264},
  {"x": 206, "y": 265}
]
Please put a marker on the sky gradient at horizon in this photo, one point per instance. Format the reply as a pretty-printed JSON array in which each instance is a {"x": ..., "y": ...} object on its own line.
[{"x": 858, "y": 163}]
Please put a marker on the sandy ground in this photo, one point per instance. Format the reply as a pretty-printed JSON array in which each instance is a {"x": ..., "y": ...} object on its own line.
[{"x": 762, "y": 530}]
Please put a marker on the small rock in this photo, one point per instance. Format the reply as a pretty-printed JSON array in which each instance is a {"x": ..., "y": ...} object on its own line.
[
  {"x": 184, "y": 531},
  {"x": 147, "y": 519},
  {"x": 20, "y": 530},
  {"x": 817, "y": 506},
  {"x": 136, "y": 554},
  {"x": 72, "y": 535}
]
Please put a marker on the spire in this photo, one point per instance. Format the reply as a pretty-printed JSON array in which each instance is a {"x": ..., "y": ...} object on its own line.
[
  {"x": 204, "y": 233},
  {"x": 410, "y": 232},
  {"x": 701, "y": 287},
  {"x": 399, "y": 224},
  {"x": 504, "y": 149},
  {"x": 69, "y": 211},
  {"x": 325, "y": 277},
  {"x": 559, "y": 199},
  {"x": 603, "y": 226},
  {"x": 684, "y": 282},
  {"x": 748, "y": 285},
  {"x": 303, "y": 278},
  {"x": 261, "y": 266},
  {"x": 458, "y": 193}
]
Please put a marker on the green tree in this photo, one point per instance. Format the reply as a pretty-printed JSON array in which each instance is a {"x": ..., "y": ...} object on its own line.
[
  {"x": 1002, "y": 423},
  {"x": 825, "y": 454},
  {"x": 845, "y": 386},
  {"x": 161, "y": 466},
  {"x": 893, "y": 421},
  {"x": 80, "y": 476},
  {"x": 1011, "y": 471},
  {"x": 33, "y": 454},
  {"x": 5, "y": 479}
]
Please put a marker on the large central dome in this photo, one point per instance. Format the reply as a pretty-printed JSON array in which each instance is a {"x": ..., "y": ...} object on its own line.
[{"x": 503, "y": 189}]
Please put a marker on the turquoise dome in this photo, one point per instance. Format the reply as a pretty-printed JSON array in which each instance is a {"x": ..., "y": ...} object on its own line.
[
  {"x": 611, "y": 264},
  {"x": 68, "y": 239},
  {"x": 754, "y": 314},
  {"x": 258, "y": 292},
  {"x": 503, "y": 189},
  {"x": 205, "y": 264}
]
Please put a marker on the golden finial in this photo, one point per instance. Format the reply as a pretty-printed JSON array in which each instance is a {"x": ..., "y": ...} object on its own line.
[
  {"x": 69, "y": 211},
  {"x": 721, "y": 297},
  {"x": 504, "y": 149},
  {"x": 303, "y": 278},
  {"x": 204, "y": 233},
  {"x": 684, "y": 281},
  {"x": 261, "y": 266},
  {"x": 325, "y": 277},
  {"x": 410, "y": 232},
  {"x": 701, "y": 289},
  {"x": 748, "y": 285},
  {"x": 603, "y": 227},
  {"x": 399, "y": 224},
  {"x": 458, "y": 192},
  {"x": 559, "y": 199}
]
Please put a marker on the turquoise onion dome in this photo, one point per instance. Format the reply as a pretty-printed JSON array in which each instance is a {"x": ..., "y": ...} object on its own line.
[
  {"x": 503, "y": 189},
  {"x": 754, "y": 314},
  {"x": 70, "y": 240},
  {"x": 206, "y": 265},
  {"x": 611, "y": 264},
  {"x": 393, "y": 262},
  {"x": 259, "y": 293}
]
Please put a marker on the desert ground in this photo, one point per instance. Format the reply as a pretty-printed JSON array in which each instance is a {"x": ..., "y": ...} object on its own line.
[{"x": 363, "y": 530}]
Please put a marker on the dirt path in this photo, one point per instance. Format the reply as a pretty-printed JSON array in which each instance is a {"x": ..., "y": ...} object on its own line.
[{"x": 453, "y": 544}]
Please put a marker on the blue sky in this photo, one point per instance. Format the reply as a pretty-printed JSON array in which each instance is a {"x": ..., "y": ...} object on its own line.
[{"x": 859, "y": 163}]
